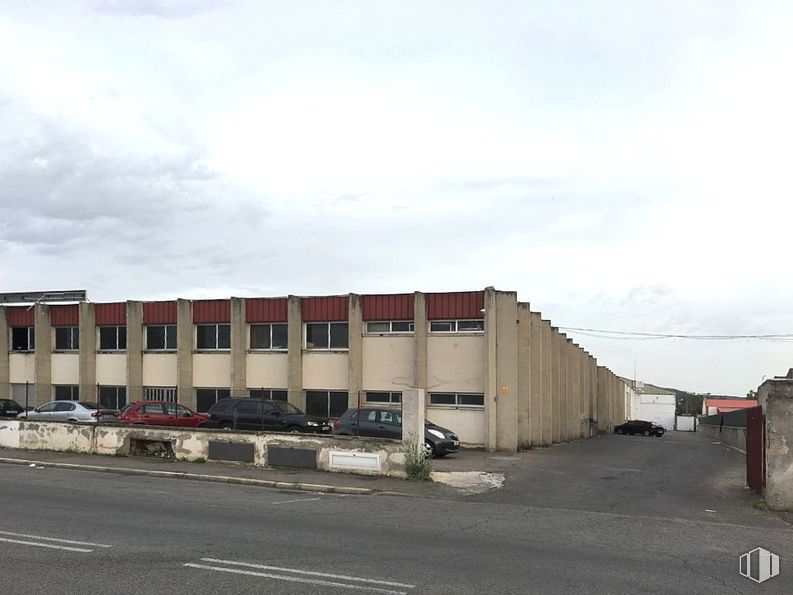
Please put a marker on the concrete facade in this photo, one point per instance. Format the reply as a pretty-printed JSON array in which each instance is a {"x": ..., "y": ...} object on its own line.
[
  {"x": 775, "y": 396},
  {"x": 494, "y": 371}
]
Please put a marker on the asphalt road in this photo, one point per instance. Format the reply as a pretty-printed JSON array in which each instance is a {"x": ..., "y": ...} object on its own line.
[{"x": 558, "y": 527}]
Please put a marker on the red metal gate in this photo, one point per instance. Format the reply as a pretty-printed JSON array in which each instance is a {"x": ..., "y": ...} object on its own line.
[{"x": 755, "y": 448}]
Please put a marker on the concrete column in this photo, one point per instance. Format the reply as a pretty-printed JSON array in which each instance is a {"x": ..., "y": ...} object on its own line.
[
  {"x": 184, "y": 353},
  {"x": 413, "y": 415},
  {"x": 775, "y": 396},
  {"x": 420, "y": 332},
  {"x": 546, "y": 381},
  {"x": 586, "y": 395},
  {"x": 295, "y": 352},
  {"x": 535, "y": 379},
  {"x": 135, "y": 347},
  {"x": 5, "y": 362},
  {"x": 556, "y": 386},
  {"x": 87, "y": 352},
  {"x": 575, "y": 392},
  {"x": 593, "y": 398},
  {"x": 43, "y": 355},
  {"x": 506, "y": 381},
  {"x": 238, "y": 353},
  {"x": 355, "y": 355},
  {"x": 523, "y": 389},
  {"x": 491, "y": 386},
  {"x": 602, "y": 399},
  {"x": 564, "y": 403}
]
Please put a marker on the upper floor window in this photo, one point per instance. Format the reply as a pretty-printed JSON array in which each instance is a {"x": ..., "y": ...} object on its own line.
[
  {"x": 23, "y": 338},
  {"x": 67, "y": 338},
  {"x": 327, "y": 335},
  {"x": 268, "y": 336},
  {"x": 161, "y": 337},
  {"x": 472, "y": 400},
  {"x": 213, "y": 336},
  {"x": 457, "y": 326},
  {"x": 112, "y": 338},
  {"x": 390, "y": 326}
]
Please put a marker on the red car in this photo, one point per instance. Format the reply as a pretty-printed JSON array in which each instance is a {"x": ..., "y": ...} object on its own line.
[{"x": 161, "y": 413}]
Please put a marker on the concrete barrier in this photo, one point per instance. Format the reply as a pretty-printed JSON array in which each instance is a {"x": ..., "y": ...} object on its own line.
[
  {"x": 734, "y": 436},
  {"x": 344, "y": 454}
]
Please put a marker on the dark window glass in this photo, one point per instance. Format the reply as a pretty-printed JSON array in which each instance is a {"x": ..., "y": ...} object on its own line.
[
  {"x": 250, "y": 407},
  {"x": 108, "y": 338},
  {"x": 206, "y": 336},
  {"x": 317, "y": 335},
  {"x": 155, "y": 337},
  {"x": 170, "y": 337},
  {"x": 442, "y": 399},
  {"x": 441, "y": 326},
  {"x": 64, "y": 407},
  {"x": 339, "y": 335},
  {"x": 260, "y": 336},
  {"x": 280, "y": 336},
  {"x": 205, "y": 398},
  {"x": 32, "y": 338},
  {"x": 378, "y": 397},
  {"x": 477, "y": 400},
  {"x": 224, "y": 336},
  {"x": 152, "y": 409},
  {"x": 338, "y": 403},
  {"x": 317, "y": 403},
  {"x": 378, "y": 327},
  {"x": 402, "y": 327},
  {"x": 113, "y": 397},
  {"x": 279, "y": 395},
  {"x": 122, "y": 338},
  {"x": 67, "y": 392},
  {"x": 22, "y": 339},
  {"x": 470, "y": 325},
  {"x": 67, "y": 338}
]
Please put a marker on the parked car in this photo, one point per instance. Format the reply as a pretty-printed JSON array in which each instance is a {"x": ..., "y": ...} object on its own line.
[
  {"x": 386, "y": 422},
  {"x": 67, "y": 411},
  {"x": 10, "y": 408},
  {"x": 637, "y": 426},
  {"x": 248, "y": 413},
  {"x": 161, "y": 413}
]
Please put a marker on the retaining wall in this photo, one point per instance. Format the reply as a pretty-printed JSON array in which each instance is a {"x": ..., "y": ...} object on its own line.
[
  {"x": 734, "y": 436},
  {"x": 345, "y": 454}
]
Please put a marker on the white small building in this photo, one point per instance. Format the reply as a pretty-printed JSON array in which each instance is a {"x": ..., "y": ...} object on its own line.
[{"x": 659, "y": 408}]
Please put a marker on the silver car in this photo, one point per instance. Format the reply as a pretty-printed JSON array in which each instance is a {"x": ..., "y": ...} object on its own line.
[{"x": 62, "y": 411}]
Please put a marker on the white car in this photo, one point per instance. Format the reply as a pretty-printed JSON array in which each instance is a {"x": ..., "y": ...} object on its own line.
[{"x": 62, "y": 411}]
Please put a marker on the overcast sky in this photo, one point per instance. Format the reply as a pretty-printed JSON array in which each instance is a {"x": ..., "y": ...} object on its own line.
[{"x": 621, "y": 165}]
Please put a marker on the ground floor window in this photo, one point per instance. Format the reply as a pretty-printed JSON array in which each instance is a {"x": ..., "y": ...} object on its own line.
[
  {"x": 113, "y": 397},
  {"x": 67, "y": 392},
  {"x": 206, "y": 397},
  {"x": 383, "y": 397},
  {"x": 277, "y": 394},
  {"x": 159, "y": 393},
  {"x": 20, "y": 390},
  {"x": 469, "y": 400},
  {"x": 326, "y": 403}
]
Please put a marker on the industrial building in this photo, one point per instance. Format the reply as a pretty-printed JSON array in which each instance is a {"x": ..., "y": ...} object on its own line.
[{"x": 500, "y": 375}]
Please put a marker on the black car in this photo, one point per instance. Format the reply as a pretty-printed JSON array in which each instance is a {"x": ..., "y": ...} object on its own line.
[
  {"x": 384, "y": 422},
  {"x": 637, "y": 426},
  {"x": 10, "y": 408},
  {"x": 248, "y": 413}
]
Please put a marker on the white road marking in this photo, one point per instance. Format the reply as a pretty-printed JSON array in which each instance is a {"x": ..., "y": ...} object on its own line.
[
  {"x": 298, "y": 500},
  {"x": 49, "y": 545},
  {"x": 12, "y": 534},
  {"x": 296, "y": 579},
  {"x": 307, "y": 572}
]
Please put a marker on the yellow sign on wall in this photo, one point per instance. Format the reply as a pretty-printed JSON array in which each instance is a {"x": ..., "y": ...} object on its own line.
[{"x": 505, "y": 389}]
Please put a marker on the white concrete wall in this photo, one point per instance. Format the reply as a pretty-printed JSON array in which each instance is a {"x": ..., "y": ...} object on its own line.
[
  {"x": 159, "y": 369},
  {"x": 22, "y": 368},
  {"x": 387, "y": 363},
  {"x": 456, "y": 363},
  {"x": 325, "y": 370},
  {"x": 468, "y": 424},
  {"x": 65, "y": 368},
  {"x": 657, "y": 408},
  {"x": 212, "y": 369},
  {"x": 686, "y": 423},
  {"x": 111, "y": 369},
  {"x": 9, "y": 433},
  {"x": 267, "y": 370}
]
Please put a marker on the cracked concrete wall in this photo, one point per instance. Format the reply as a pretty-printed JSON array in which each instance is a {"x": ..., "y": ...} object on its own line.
[{"x": 775, "y": 396}]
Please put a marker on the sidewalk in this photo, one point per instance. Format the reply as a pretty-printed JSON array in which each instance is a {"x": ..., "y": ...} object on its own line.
[{"x": 471, "y": 461}]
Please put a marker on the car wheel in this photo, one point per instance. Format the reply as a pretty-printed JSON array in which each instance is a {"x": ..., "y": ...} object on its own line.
[
  {"x": 293, "y": 429},
  {"x": 429, "y": 449},
  {"x": 226, "y": 425},
  {"x": 620, "y": 431},
  {"x": 647, "y": 432}
]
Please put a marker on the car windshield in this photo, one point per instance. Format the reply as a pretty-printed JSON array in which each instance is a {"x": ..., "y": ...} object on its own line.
[{"x": 287, "y": 408}]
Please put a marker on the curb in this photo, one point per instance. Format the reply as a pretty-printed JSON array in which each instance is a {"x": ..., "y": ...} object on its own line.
[{"x": 264, "y": 483}]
